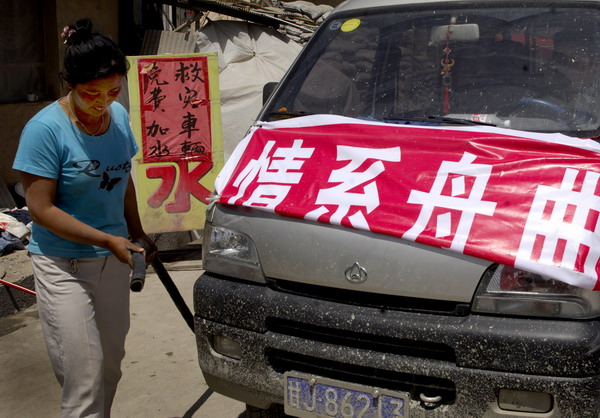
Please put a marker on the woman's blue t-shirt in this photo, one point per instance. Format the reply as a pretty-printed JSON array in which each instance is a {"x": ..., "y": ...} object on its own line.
[{"x": 92, "y": 173}]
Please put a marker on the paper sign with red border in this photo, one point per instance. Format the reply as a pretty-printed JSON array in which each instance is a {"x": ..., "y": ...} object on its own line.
[{"x": 176, "y": 119}]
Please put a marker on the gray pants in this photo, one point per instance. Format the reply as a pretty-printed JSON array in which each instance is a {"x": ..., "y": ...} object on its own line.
[{"x": 84, "y": 312}]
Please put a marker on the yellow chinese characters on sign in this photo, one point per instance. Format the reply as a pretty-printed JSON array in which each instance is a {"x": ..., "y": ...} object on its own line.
[{"x": 176, "y": 119}]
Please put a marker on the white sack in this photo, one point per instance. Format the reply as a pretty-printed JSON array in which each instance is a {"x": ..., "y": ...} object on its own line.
[{"x": 307, "y": 8}]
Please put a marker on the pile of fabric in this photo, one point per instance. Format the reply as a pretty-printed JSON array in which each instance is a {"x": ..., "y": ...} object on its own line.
[{"x": 15, "y": 229}]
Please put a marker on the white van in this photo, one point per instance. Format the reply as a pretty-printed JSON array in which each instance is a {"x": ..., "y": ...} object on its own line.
[{"x": 331, "y": 291}]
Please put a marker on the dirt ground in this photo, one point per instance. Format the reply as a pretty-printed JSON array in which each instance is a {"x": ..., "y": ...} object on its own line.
[{"x": 17, "y": 265}]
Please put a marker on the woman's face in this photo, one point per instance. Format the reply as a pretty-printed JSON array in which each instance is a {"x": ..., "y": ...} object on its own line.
[{"x": 94, "y": 97}]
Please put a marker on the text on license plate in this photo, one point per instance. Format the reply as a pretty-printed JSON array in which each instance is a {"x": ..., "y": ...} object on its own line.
[{"x": 314, "y": 396}]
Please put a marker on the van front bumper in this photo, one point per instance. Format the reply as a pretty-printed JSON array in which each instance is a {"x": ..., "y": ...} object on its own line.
[{"x": 467, "y": 360}]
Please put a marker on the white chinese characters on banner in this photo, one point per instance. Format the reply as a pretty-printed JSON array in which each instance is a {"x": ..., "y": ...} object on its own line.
[
  {"x": 348, "y": 178},
  {"x": 531, "y": 201},
  {"x": 468, "y": 206},
  {"x": 562, "y": 229},
  {"x": 282, "y": 167}
]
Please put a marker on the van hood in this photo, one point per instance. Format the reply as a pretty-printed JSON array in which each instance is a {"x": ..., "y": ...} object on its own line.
[{"x": 335, "y": 257}]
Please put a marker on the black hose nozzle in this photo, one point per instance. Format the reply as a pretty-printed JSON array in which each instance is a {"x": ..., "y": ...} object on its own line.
[{"x": 138, "y": 275}]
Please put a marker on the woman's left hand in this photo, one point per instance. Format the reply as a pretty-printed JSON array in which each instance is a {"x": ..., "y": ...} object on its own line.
[{"x": 150, "y": 248}]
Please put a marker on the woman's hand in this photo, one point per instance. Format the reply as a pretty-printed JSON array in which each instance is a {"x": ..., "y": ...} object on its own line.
[
  {"x": 122, "y": 248},
  {"x": 148, "y": 244}
]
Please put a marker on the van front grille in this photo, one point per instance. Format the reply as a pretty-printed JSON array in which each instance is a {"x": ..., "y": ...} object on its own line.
[
  {"x": 375, "y": 300},
  {"x": 381, "y": 344}
]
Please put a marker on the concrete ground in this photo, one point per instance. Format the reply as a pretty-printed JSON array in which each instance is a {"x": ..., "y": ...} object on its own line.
[{"x": 161, "y": 376}]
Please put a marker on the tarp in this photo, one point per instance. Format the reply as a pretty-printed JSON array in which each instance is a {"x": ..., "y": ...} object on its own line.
[
  {"x": 249, "y": 57},
  {"x": 517, "y": 198}
]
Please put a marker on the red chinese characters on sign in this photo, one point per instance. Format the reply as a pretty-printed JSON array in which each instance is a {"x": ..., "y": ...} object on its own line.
[
  {"x": 520, "y": 201},
  {"x": 175, "y": 109},
  {"x": 186, "y": 186}
]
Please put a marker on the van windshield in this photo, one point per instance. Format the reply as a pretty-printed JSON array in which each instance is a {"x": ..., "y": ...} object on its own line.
[{"x": 527, "y": 68}]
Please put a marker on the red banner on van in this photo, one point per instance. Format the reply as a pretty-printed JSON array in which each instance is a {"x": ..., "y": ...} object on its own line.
[{"x": 522, "y": 199}]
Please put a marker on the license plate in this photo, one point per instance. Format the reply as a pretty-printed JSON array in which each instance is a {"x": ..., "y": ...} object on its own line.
[{"x": 313, "y": 396}]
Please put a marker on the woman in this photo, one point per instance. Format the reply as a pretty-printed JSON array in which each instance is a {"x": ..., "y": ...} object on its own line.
[{"x": 75, "y": 161}]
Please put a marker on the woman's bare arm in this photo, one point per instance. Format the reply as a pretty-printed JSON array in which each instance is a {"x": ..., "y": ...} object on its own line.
[
  {"x": 40, "y": 194},
  {"x": 134, "y": 223}
]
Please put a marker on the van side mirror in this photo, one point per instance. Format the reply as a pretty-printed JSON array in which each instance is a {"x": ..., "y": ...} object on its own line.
[{"x": 268, "y": 89}]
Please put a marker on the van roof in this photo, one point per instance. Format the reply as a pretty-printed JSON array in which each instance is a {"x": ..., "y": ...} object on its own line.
[{"x": 369, "y": 4}]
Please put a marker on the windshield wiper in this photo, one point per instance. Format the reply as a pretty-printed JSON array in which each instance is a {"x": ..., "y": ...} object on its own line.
[
  {"x": 436, "y": 119},
  {"x": 291, "y": 114}
]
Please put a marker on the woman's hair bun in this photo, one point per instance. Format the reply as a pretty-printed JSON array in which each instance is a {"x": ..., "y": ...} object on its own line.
[
  {"x": 90, "y": 55},
  {"x": 80, "y": 31}
]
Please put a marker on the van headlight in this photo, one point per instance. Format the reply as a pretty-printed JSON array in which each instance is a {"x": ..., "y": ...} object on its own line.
[
  {"x": 507, "y": 290},
  {"x": 231, "y": 253}
]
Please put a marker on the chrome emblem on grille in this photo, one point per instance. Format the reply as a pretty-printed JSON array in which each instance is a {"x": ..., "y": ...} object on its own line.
[{"x": 356, "y": 273}]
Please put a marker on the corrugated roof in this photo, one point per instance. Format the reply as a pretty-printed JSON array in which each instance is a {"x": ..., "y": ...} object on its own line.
[
  {"x": 297, "y": 19},
  {"x": 240, "y": 10}
]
